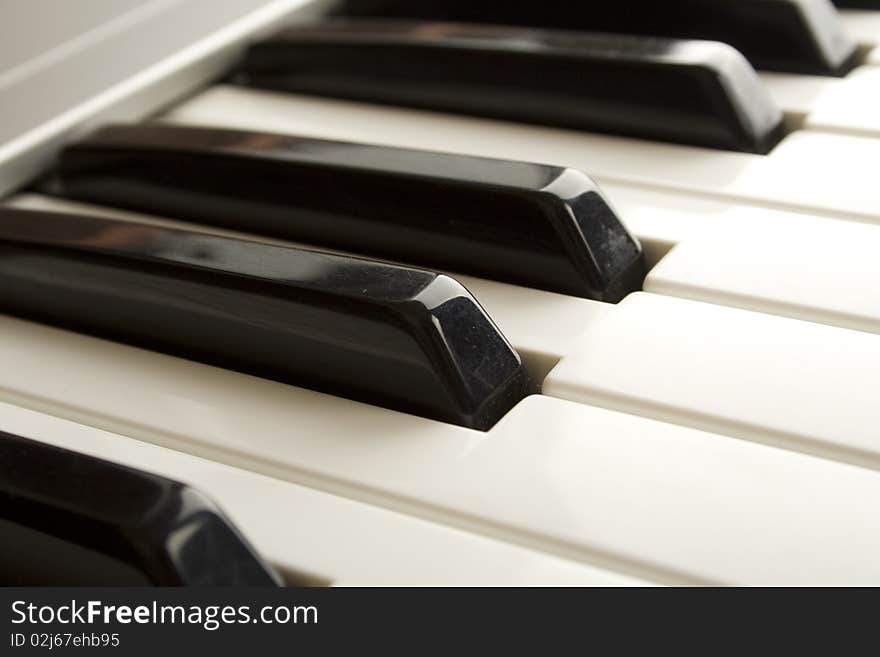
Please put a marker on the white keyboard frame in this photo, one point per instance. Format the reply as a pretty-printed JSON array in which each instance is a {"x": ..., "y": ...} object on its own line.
[{"x": 160, "y": 52}]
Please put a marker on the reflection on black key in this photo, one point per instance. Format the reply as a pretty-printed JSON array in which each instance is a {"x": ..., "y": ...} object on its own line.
[
  {"x": 693, "y": 92},
  {"x": 531, "y": 224},
  {"x": 801, "y": 36},
  {"x": 395, "y": 336},
  {"x": 72, "y": 520}
]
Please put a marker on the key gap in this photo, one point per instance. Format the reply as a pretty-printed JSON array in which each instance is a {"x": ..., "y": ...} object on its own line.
[
  {"x": 792, "y": 122},
  {"x": 861, "y": 55}
]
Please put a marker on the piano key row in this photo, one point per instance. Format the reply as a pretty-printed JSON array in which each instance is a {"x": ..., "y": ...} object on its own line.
[
  {"x": 544, "y": 326},
  {"x": 783, "y": 280},
  {"x": 86, "y": 412},
  {"x": 674, "y": 276},
  {"x": 603, "y": 365},
  {"x": 756, "y": 295},
  {"x": 708, "y": 266},
  {"x": 793, "y": 176}
]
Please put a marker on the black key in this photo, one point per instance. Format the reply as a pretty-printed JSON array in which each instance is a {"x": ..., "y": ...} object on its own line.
[
  {"x": 531, "y": 224},
  {"x": 399, "y": 337},
  {"x": 700, "y": 93},
  {"x": 858, "y": 4},
  {"x": 72, "y": 520},
  {"x": 800, "y": 36}
]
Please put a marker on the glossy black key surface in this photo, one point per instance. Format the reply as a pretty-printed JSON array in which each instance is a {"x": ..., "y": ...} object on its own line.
[
  {"x": 67, "y": 519},
  {"x": 693, "y": 92},
  {"x": 395, "y": 336},
  {"x": 858, "y": 4},
  {"x": 530, "y": 224},
  {"x": 800, "y": 36}
]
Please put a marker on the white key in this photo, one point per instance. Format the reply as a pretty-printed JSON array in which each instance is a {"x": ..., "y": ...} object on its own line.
[
  {"x": 662, "y": 219},
  {"x": 772, "y": 380},
  {"x": 848, "y": 105},
  {"x": 758, "y": 259},
  {"x": 797, "y": 95},
  {"x": 318, "y": 538},
  {"x": 541, "y": 325},
  {"x": 862, "y": 25},
  {"x": 816, "y": 269},
  {"x": 632, "y": 495},
  {"x": 874, "y": 56},
  {"x": 853, "y": 106},
  {"x": 812, "y": 171}
]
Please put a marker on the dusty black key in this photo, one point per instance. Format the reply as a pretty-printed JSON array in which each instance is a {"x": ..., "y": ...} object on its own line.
[
  {"x": 530, "y": 224},
  {"x": 73, "y": 520},
  {"x": 395, "y": 336},
  {"x": 692, "y": 92},
  {"x": 801, "y": 36}
]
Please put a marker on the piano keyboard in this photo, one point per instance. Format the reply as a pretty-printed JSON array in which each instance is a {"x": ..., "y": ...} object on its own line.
[{"x": 389, "y": 332}]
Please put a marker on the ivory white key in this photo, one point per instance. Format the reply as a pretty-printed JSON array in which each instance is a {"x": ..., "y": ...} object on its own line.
[
  {"x": 773, "y": 380},
  {"x": 633, "y": 495},
  {"x": 799, "y": 94},
  {"x": 772, "y": 261},
  {"x": 849, "y": 105},
  {"x": 542, "y": 325},
  {"x": 811, "y": 268},
  {"x": 661, "y": 219},
  {"x": 874, "y": 56},
  {"x": 852, "y": 107},
  {"x": 811, "y": 171},
  {"x": 862, "y": 24},
  {"x": 317, "y": 538}
]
